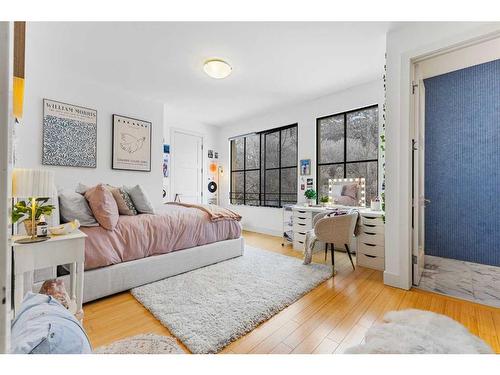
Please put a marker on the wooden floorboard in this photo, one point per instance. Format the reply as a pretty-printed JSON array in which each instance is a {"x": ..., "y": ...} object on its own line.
[{"x": 329, "y": 319}]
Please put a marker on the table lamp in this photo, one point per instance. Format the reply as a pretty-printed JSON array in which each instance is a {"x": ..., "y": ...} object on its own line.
[{"x": 32, "y": 183}]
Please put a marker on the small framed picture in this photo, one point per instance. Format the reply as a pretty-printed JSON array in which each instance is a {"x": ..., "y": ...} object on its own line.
[
  {"x": 131, "y": 144},
  {"x": 210, "y": 154},
  {"x": 305, "y": 167}
]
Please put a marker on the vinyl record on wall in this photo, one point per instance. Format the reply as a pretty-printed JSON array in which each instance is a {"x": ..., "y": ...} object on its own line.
[{"x": 212, "y": 187}]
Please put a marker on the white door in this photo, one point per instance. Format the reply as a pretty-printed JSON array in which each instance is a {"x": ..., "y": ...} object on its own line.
[
  {"x": 187, "y": 159},
  {"x": 458, "y": 58},
  {"x": 5, "y": 121},
  {"x": 419, "y": 201}
]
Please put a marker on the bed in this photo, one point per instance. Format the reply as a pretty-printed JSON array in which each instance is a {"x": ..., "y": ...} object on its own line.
[{"x": 146, "y": 248}]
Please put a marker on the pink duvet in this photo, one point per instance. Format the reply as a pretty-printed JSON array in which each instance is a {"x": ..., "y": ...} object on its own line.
[{"x": 172, "y": 228}]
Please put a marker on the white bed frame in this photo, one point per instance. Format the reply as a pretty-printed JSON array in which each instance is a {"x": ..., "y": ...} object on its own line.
[{"x": 102, "y": 282}]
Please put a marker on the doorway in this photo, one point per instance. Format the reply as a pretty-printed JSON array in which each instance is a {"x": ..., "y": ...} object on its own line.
[
  {"x": 187, "y": 170},
  {"x": 455, "y": 173}
]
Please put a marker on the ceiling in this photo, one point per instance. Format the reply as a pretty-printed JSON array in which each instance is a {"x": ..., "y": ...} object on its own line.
[{"x": 274, "y": 64}]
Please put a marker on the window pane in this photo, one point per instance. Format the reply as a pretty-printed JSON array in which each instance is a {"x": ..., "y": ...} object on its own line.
[
  {"x": 272, "y": 150},
  {"x": 369, "y": 172},
  {"x": 237, "y": 187},
  {"x": 252, "y": 152},
  {"x": 252, "y": 189},
  {"x": 289, "y": 147},
  {"x": 362, "y": 134},
  {"x": 272, "y": 188},
  {"x": 237, "y": 153},
  {"x": 331, "y": 139},
  {"x": 289, "y": 185},
  {"x": 326, "y": 172}
]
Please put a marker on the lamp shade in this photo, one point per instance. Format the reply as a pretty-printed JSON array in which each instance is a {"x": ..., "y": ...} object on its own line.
[{"x": 37, "y": 183}]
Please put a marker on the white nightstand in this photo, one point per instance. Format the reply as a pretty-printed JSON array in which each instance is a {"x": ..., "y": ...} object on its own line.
[{"x": 58, "y": 250}]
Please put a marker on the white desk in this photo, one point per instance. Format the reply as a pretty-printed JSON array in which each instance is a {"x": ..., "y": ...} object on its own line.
[
  {"x": 369, "y": 244},
  {"x": 58, "y": 250}
]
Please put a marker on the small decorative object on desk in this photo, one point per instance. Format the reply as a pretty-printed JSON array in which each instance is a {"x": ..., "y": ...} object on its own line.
[
  {"x": 324, "y": 200},
  {"x": 376, "y": 204},
  {"x": 65, "y": 228},
  {"x": 42, "y": 227},
  {"x": 310, "y": 194}
]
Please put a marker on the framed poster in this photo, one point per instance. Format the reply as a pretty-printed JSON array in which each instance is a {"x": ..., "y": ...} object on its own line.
[
  {"x": 166, "y": 160},
  {"x": 305, "y": 167},
  {"x": 131, "y": 144},
  {"x": 69, "y": 135}
]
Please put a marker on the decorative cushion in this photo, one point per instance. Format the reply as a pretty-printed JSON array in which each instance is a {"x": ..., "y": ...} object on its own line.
[
  {"x": 103, "y": 206},
  {"x": 44, "y": 326},
  {"x": 123, "y": 201},
  {"x": 81, "y": 188},
  {"x": 74, "y": 206},
  {"x": 140, "y": 199}
]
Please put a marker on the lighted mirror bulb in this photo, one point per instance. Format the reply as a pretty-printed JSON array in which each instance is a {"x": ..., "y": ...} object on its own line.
[{"x": 217, "y": 68}]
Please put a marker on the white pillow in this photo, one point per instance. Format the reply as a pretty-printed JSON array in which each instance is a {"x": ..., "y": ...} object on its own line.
[{"x": 140, "y": 199}]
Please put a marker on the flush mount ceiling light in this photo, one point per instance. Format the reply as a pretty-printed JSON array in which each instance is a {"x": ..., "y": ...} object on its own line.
[{"x": 217, "y": 68}]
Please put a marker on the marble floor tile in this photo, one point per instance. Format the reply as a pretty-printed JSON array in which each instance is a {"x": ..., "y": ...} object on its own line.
[{"x": 471, "y": 281}]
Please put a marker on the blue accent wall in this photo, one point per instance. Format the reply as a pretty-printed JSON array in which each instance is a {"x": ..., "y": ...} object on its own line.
[{"x": 462, "y": 164}]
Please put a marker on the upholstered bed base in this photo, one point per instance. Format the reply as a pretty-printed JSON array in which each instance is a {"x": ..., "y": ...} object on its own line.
[{"x": 109, "y": 280}]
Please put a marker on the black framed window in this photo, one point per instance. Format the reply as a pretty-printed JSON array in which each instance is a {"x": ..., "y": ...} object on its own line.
[
  {"x": 347, "y": 146},
  {"x": 264, "y": 168}
]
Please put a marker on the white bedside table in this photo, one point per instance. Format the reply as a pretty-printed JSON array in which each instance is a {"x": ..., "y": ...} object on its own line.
[{"x": 58, "y": 250}]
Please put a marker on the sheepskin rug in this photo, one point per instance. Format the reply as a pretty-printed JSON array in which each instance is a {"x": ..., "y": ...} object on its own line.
[
  {"x": 419, "y": 332},
  {"x": 142, "y": 344}
]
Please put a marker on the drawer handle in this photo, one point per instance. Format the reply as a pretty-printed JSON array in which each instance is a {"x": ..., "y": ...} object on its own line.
[
  {"x": 369, "y": 244},
  {"x": 302, "y": 218},
  {"x": 305, "y": 234},
  {"x": 371, "y": 234},
  {"x": 369, "y": 256},
  {"x": 370, "y": 217},
  {"x": 370, "y": 226},
  {"x": 301, "y": 242},
  {"x": 302, "y": 212},
  {"x": 301, "y": 224}
]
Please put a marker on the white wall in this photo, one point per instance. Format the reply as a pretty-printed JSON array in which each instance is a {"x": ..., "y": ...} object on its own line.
[
  {"x": 181, "y": 121},
  {"x": 403, "y": 45},
  {"x": 43, "y": 82},
  {"x": 266, "y": 219}
]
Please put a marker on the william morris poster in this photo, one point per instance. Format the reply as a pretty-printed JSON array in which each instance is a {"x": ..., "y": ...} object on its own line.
[
  {"x": 131, "y": 144},
  {"x": 69, "y": 135}
]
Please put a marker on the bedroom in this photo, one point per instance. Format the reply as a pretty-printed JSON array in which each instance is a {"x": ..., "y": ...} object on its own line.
[{"x": 280, "y": 136}]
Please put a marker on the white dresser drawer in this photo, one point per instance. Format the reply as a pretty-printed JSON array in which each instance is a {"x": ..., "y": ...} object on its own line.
[
  {"x": 374, "y": 250},
  {"x": 366, "y": 219},
  {"x": 304, "y": 214},
  {"x": 372, "y": 239},
  {"x": 301, "y": 227},
  {"x": 303, "y": 220},
  {"x": 370, "y": 228},
  {"x": 370, "y": 261},
  {"x": 298, "y": 245},
  {"x": 298, "y": 236}
]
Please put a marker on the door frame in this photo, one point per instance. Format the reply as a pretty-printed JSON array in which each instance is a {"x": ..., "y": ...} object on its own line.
[
  {"x": 6, "y": 120},
  {"x": 417, "y": 93},
  {"x": 174, "y": 130}
]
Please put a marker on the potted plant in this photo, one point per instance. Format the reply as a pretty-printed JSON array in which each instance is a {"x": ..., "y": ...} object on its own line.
[
  {"x": 21, "y": 212},
  {"x": 324, "y": 200},
  {"x": 310, "y": 195}
]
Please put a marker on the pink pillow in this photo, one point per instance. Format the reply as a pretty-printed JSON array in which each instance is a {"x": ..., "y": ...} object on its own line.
[{"x": 103, "y": 206}]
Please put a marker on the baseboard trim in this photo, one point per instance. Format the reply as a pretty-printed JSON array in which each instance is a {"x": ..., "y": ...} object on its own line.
[
  {"x": 261, "y": 230},
  {"x": 394, "y": 280}
]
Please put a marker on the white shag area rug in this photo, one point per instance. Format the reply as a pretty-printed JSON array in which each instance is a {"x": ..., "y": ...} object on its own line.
[
  {"x": 419, "y": 332},
  {"x": 142, "y": 344},
  {"x": 210, "y": 307}
]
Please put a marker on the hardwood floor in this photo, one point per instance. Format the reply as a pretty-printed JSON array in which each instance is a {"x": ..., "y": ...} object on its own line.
[{"x": 330, "y": 318}]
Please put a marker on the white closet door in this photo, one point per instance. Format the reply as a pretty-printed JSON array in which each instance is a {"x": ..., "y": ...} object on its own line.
[
  {"x": 187, "y": 159},
  {"x": 5, "y": 119}
]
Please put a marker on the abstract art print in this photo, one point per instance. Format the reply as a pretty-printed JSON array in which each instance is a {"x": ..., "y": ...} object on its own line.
[
  {"x": 69, "y": 135},
  {"x": 305, "y": 167},
  {"x": 131, "y": 144}
]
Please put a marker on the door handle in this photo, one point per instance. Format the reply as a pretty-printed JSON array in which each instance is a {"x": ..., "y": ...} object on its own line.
[{"x": 426, "y": 201}]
